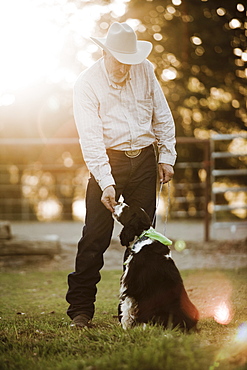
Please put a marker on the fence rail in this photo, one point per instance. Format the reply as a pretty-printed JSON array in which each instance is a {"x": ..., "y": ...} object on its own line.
[
  {"x": 14, "y": 203},
  {"x": 219, "y": 189},
  {"x": 23, "y": 200}
]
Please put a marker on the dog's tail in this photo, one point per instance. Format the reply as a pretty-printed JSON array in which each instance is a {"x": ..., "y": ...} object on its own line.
[{"x": 189, "y": 309}]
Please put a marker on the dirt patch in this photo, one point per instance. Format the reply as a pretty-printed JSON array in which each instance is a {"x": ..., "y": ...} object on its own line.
[
  {"x": 193, "y": 255},
  {"x": 216, "y": 298}
]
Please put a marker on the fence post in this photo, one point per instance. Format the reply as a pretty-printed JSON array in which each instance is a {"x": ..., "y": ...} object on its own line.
[{"x": 207, "y": 167}]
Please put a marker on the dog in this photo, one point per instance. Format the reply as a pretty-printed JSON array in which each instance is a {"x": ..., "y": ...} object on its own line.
[{"x": 151, "y": 287}]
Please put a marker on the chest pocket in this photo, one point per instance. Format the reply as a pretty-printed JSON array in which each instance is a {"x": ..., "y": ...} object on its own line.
[{"x": 145, "y": 110}]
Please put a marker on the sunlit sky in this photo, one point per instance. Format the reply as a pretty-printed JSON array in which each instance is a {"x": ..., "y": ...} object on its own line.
[
  {"x": 33, "y": 34},
  {"x": 31, "y": 43}
]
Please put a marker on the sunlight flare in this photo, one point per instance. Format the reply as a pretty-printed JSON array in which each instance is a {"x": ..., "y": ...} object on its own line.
[
  {"x": 30, "y": 45},
  {"x": 34, "y": 37},
  {"x": 222, "y": 314}
]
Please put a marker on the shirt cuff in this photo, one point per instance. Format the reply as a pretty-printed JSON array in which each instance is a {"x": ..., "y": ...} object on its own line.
[
  {"x": 167, "y": 158},
  {"x": 106, "y": 181}
]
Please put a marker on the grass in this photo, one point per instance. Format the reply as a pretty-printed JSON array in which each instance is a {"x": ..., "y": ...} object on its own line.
[{"x": 35, "y": 332}]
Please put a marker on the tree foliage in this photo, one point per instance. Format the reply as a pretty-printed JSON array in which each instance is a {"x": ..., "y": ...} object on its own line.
[
  {"x": 199, "y": 54},
  {"x": 200, "y": 58}
]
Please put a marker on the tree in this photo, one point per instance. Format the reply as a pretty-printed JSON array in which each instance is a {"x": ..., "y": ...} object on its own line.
[{"x": 199, "y": 54}]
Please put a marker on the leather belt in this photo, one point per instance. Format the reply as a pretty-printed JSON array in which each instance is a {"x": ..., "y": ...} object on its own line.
[
  {"x": 133, "y": 153},
  {"x": 127, "y": 153}
]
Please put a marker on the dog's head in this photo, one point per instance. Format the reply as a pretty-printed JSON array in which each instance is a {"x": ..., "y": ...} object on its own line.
[{"x": 134, "y": 219}]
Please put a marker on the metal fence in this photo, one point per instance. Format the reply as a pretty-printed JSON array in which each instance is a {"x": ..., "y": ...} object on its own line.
[
  {"x": 228, "y": 190},
  {"x": 46, "y": 180},
  {"x": 192, "y": 182}
]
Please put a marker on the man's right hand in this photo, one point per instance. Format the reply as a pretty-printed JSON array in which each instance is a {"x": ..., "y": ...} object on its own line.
[{"x": 109, "y": 198}]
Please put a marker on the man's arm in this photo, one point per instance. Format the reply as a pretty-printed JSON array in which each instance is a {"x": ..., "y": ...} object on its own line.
[{"x": 90, "y": 130}]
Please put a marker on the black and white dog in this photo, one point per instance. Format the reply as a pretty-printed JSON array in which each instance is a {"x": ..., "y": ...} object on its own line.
[{"x": 151, "y": 288}]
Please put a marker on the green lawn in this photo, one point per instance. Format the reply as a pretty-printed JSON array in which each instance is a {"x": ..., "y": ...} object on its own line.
[{"x": 35, "y": 332}]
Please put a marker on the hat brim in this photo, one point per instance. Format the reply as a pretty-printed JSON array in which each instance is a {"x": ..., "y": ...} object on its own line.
[{"x": 143, "y": 50}]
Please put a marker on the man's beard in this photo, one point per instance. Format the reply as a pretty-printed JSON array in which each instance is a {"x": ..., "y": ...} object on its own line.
[{"x": 118, "y": 80}]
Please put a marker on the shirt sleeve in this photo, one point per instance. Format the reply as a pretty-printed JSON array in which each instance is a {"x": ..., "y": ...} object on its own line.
[
  {"x": 90, "y": 130},
  {"x": 163, "y": 125}
]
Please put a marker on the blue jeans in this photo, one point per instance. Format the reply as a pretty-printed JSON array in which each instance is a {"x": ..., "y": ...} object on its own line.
[{"x": 136, "y": 181}]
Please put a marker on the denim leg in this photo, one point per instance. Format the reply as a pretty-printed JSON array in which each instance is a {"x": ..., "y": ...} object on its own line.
[
  {"x": 141, "y": 188},
  {"x": 95, "y": 239}
]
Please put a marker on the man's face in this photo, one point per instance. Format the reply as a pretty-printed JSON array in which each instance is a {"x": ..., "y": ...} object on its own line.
[{"x": 118, "y": 72}]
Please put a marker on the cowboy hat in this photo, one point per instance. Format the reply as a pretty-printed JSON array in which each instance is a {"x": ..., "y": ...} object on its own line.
[{"x": 122, "y": 43}]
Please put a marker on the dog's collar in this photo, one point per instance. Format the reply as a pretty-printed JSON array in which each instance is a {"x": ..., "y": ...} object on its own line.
[
  {"x": 155, "y": 235},
  {"x": 147, "y": 237}
]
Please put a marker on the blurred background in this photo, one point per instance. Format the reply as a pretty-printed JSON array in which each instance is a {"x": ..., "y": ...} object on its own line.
[{"x": 199, "y": 55}]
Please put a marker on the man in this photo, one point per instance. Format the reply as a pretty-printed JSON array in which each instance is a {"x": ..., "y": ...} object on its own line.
[{"x": 120, "y": 112}]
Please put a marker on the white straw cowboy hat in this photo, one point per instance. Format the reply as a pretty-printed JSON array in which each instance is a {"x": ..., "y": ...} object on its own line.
[{"x": 122, "y": 43}]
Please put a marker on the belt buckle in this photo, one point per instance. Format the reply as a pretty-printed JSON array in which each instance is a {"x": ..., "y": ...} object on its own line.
[{"x": 132, "y": 153}]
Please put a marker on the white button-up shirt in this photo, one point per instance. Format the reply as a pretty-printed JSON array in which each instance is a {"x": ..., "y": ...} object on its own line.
[{"x": 129, "y": 117}]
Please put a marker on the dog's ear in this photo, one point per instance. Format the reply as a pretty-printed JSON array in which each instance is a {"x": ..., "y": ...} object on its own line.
[
  {"x": 127, "y": 235},
  {"x": 144, "y": 222},
  {"x": 140, "y": 221},
  {"x": 136, "y": 221}
]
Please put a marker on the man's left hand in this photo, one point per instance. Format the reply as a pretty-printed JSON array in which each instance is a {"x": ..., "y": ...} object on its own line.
[{"x": 166, "y": 172}]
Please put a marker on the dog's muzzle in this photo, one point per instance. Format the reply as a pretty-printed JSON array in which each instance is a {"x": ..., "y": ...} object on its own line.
[{"x": 118, "y": 210}]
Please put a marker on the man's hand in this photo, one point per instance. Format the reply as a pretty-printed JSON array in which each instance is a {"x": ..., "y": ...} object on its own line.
[
  {"x": 166, "y": 172},
  {"x": 109, "y": 198}
]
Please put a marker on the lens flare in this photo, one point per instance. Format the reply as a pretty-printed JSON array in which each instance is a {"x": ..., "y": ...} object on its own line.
[
  {"x": 212, "y": 295},
  {"x": 241, "y": 336},
  {"x": 49, "y": 210},
  {"x": 180, "y": 245},
  {"x": 79, "y": 209},
  {"x": 222, "y": 313},
  {"x": 235, "y": 350}
]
